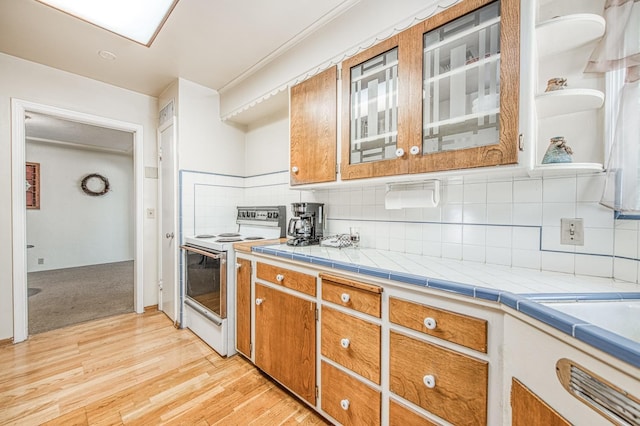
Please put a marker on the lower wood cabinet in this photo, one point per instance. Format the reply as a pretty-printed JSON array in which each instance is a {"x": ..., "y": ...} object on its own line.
[
  {"x": 527, "y": 409},
  {"x": 351, "y": 342},
  {"x": 399, "y": 415},
  {"x": 288, "y": 278},
  {"x": 348, "y": 400},
  {"x": 285, "y": 340},
  {"x": 451, "y": 326},
  {"x": 243, "y": 306},
  {"x": 446, "y": 383}
]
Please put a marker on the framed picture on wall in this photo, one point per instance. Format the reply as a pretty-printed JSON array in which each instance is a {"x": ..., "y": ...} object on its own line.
[{"x": 33, "y": 185}]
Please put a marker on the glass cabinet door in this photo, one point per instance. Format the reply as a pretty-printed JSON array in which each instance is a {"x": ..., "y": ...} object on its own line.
[
  {"x": 461, "y": 71},
  {"x": 374, "y": 108},
  {"x": 470, "y": 87},
  {"x": 375, "y": 93}
]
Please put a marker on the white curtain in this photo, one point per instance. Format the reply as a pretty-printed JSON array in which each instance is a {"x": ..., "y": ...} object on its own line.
[{"x": 620, "y": 49}]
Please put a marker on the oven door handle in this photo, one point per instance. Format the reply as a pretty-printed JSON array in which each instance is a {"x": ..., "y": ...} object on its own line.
[
  {"x": 204, "y": 312},
  {"x": 211, "y": 254}
]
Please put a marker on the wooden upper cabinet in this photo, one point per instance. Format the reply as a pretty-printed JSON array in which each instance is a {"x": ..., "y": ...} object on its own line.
[
  {"x": 441, "y": 95},
  {"x": 314, "y": 129},
  {"x": 376, "y": 109},
  {"x": 470, "y": 83}
]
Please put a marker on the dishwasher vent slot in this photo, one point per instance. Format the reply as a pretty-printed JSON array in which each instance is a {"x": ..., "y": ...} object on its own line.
[{"x": 615, "y": 404}]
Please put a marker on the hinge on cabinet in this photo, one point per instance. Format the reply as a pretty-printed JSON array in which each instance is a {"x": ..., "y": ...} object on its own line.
[
  {"x": 317, "y": 392},
  {"x": 337, "y": 168},
  {"x": 316, "y": 314},
  {"x": 521, "y": 142}
]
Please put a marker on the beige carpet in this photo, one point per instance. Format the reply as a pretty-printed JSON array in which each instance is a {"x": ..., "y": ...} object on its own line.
[{"x": 63, "y": 297}]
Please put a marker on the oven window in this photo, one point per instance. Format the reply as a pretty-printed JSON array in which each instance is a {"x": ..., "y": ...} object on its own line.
[{"x": 205, "y": 282}]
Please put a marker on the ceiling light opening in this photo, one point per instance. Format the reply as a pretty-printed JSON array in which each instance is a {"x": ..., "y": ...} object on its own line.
[
  {"x": 137, "y": 20},
  {"x": 105, "y": 54}
]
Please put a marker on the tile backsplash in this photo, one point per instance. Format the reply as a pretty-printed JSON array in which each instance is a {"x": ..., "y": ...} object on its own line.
[{"x": 513, "y": 222}]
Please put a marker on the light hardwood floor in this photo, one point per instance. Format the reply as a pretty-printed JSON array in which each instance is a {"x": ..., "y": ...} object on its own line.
[{"x": 136, "y": 369}]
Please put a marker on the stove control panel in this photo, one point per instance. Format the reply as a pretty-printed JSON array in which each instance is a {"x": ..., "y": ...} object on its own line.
[{"x": 273, "y": 216}]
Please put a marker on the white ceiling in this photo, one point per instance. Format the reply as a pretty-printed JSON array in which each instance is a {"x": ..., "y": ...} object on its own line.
[
  {"x": 210, "y": 42},
  {"x": 215, "y": 43},
  {"x": 44, "y": 128}
]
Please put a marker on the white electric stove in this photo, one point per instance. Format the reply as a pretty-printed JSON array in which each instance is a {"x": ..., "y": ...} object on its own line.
[{"x": 208, "y": 290}]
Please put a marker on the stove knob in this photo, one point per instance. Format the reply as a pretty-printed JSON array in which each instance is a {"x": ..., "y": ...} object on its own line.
[{"x": 275, "y": 215}]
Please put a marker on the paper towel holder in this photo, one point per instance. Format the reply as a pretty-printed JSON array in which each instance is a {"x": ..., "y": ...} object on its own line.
[{"x": 416, "y": 194}]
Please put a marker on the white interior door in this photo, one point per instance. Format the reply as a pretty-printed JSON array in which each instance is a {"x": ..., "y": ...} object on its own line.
[{"x": 168, "y": 293}]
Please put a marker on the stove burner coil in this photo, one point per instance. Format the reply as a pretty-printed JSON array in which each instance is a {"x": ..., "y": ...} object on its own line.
[
  {"x": 229, "y": 234},
  {"x": 228, "y": 240}
]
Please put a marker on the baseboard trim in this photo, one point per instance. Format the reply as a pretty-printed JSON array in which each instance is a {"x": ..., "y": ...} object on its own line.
[
  {"x": 5, "y": 342},
  {"x": 152, "y": 308}
]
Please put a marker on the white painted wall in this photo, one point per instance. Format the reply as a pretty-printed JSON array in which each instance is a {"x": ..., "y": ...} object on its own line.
[
  {"x": 267, "y": 145},
  {"x": 72, "y": 228},
  {"x": 205, "y": 143},
  {"x": 45, "y": 85}
]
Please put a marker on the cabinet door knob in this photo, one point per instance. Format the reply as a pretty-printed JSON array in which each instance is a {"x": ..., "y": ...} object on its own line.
[
  {"x": 259, "y": 301},
  {"x": 345, "y": 404},
  {"x": 415, "y": 150},
  {"x": 345, "y": 343},
  {"x": 295, "y": 169},
  {"x": 430, "y": 323},
  {"x": 429, "y": 381},
  {"x": 345, "y": 297},
  {"x": 238, "y": 265},
  {"x": 279, "y": 278},
  {"x": 399, "y": 152}
]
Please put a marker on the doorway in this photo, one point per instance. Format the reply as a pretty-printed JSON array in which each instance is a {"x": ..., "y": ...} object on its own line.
[
  {"x": 79, "y": 223},
  {"x": 20, "y": 109}
]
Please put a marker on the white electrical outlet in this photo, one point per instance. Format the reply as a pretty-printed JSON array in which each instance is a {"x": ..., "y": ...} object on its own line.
[{"x": 572, "y": 231}]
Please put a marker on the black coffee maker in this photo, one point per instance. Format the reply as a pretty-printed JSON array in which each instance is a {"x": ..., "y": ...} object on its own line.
[{"x": 306, "y": 227}]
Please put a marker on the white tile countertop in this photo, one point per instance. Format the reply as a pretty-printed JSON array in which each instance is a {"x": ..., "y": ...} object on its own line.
[
  {"x": 525, "y": 290},
  {"x": 497, "y": 277}
]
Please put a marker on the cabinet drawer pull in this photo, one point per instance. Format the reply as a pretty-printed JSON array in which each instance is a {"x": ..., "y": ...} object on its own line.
[
  {"x": 399, "y": 152},
  {"x": 279, "y": 278},
  {"x": 294, "y": 169},
  {"x": 259, "y": 301},
  {"x": 345, "y": 297},
  {"x": 429, "y": 381},
  {"x": 345, "y": 343},
  {"x": 415, "y": 150},
  {"x": 345, "y": 404},
  {"x": 430, "y": 323}
]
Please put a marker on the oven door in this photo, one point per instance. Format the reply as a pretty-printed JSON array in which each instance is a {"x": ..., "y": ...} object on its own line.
[{"x": 206, "y": 279}]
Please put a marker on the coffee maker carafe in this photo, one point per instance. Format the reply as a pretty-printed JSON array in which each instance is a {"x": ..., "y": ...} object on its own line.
[{"x": 307, "y": 224}]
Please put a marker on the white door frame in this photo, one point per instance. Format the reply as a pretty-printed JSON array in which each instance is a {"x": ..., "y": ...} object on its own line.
[{"x": 18, "y": 201}]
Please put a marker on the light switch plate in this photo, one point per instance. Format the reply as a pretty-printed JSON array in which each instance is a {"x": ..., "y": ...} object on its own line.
[{"x": 572, "y": 231}]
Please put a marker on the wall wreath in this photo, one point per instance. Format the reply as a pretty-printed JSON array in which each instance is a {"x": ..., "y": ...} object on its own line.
[{"x": 90, "y": 188}]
